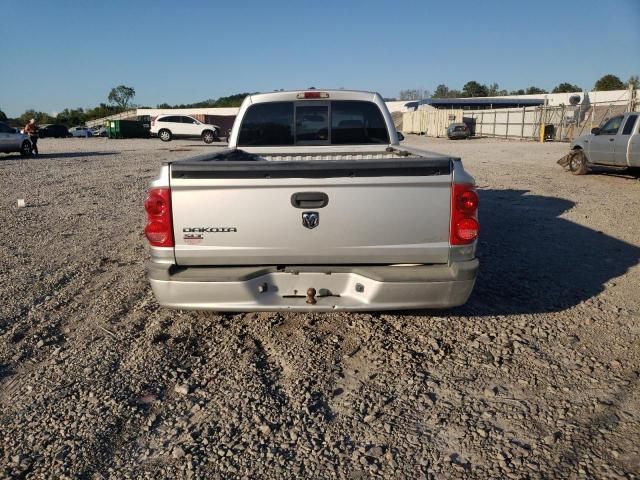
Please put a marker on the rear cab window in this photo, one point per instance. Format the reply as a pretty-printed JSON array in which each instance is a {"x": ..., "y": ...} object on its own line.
[
  {"x": 313, "y": 123},
  {"x": 628, "y": 127}
]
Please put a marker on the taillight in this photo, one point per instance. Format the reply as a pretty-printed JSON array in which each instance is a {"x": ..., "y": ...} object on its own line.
[
  {"x": 464, "y": 214},
  {"x": 467, "y": 201},
  {"x": 159, "y": 230}
]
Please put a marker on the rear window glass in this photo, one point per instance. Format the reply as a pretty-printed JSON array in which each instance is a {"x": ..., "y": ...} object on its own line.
[
  {"x": 312, "y": 124},
  {"x": 357, "y": 123},
  {"x": 628, "y": 127},
  {"x": 351, "y": 122},
  {"x": 267, "y": 124}
]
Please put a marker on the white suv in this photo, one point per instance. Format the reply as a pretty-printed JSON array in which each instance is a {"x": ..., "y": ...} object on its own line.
[
  {"x": 168, "y": 126},
  {"x": 11, "y": 140},
  {"x": 81, "y": 132}
]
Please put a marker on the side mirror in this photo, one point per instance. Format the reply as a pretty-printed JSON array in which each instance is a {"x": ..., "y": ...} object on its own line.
[
  {"x": 595, "y": 131},
  {"x": 400, "y": 136}
]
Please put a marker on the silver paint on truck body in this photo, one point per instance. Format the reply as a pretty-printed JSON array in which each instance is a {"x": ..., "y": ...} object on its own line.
[{"x": 381, "y": 241}]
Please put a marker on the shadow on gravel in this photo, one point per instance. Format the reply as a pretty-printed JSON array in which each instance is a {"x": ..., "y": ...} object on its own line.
[
  {"x": 628, "y": 173},
  {"x": 17, "y": 156},
  {"x": 532, "y": 261}
]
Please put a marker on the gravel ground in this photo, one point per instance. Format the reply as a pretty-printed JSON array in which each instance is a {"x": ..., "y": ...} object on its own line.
[{"x": 536, "y": 377}]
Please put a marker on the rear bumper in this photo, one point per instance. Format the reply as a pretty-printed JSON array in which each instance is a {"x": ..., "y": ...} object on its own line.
[{"x": 349, "y": 288}]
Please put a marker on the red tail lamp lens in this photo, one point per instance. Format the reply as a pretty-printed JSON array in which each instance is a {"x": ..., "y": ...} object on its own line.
[
  {"x": 157, "y": 233},
  {"x": 468, "y": 201},
  {"x": 155, "y": 205},
  {"x": 159, "y": 229},
  {"x": 464, "y": 225},
  {"x": 467, "y": 229}
]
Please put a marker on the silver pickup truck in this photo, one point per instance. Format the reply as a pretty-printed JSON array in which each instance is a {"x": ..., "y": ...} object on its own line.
[
  {"x": 616, "y": 143},
  {"x": 314, "y": 207}
]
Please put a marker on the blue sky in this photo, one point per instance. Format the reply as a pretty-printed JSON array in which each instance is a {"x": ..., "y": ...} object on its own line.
[{"x": 57, "y": 54}]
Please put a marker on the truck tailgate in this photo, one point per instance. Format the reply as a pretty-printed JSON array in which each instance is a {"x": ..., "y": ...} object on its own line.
[{"x": 311, "y": 212}]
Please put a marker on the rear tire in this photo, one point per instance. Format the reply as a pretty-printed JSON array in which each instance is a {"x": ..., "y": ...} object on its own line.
[
  {"x": 208, "y": 136},
  {"x": 26, "y": 149},
  {"x": 165, "y": 135},
  {"x": 578, "y": 164}
]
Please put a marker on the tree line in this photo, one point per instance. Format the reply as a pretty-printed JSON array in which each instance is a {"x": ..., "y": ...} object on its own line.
[
  {"x": 476, "y": 89},
  {"x": 119, "y": 100}
]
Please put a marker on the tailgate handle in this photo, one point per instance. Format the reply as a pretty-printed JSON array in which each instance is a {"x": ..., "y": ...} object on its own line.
[{"x": 309, "y": 200}]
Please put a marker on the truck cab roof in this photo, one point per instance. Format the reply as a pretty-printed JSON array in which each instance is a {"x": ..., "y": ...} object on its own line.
[{"x": 319, "y": 94}]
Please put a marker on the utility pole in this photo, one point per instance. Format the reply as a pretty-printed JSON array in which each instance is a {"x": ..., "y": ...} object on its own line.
[{"x": 542, "y": 117}]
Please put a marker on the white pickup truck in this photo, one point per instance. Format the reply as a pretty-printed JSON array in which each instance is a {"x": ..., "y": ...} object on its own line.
[
  {"x": 616, "y": 143},
  {"x": 314, "y": 207}
]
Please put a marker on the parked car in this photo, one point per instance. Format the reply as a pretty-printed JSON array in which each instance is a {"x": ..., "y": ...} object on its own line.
[
  {"x": 11, "y": 140},
  {"x": 183, "y": 126},
  {"x": 99, "y": 131},
  {"x": 458, "y": 130},
  {"x": 314, "y": 207},
  {"x": 615, "y": 143},
  {"x": 55, "y": 131},
  {"x": 82, "y": 132}
]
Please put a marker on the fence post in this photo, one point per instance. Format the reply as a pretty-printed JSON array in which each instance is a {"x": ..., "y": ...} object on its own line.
[
  {"x": 481, "y": 122},
  {"x": 542, "y": 115},
  {"x": 495, "y": 115},
  {"x": 524, "y": 114},
  {"x": 506, "y": 131}
]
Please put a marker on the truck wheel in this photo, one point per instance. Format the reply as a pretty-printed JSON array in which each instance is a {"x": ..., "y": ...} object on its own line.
[
  {"x": 26, "y": 149},
  {"x": 578, "y": 164},
  {"x": 208, "y": 136},
  {"x": 165, "y": 135}
]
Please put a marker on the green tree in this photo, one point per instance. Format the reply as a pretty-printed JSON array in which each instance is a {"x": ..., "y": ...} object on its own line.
[
  {"x": 635, "y": 81},
  {"x": 566, "y": 88},
  {"x": 474, "y": 89},
  {"x": 441, "y": 91},
  {"x": 230, "y": 101},
  {"x": 493, "y": 90},
  {"x": 609, "y": 82},
  {"x": 535, "y": 91},
  {"x": 517, "y": 92},
  {"x": 72, "y": 117},
  {"x": 121, "y": 96},
  {"x": 40, "y": 117},
  {"x": 102, "y": 110},
  {"x": 3, "y": 116}
]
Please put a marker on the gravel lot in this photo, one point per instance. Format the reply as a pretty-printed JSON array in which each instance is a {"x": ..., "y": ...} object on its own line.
[{"x": 536, "y": 377}]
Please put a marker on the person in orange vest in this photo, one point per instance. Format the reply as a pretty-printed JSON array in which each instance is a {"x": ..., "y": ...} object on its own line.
[{"x": 32, "y": 130}]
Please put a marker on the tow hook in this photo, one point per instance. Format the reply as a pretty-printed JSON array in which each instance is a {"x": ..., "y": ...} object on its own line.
[{"x": 311, "y": 296}]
